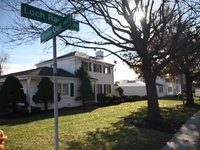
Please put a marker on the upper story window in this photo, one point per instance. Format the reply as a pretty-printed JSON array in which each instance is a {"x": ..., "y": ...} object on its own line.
[
  {"x": 106, "y": 69},
  {"x": 88, "y": 65},
  {"x": 97, "y": 68}
]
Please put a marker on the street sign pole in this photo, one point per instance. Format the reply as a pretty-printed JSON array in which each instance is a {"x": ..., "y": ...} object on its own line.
[
  {"x": 59, "y": 24},
  {"x": 55, "y": 95}
]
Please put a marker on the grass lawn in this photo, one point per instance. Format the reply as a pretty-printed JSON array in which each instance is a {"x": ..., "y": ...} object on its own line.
[{"x": 94, "y": 128}]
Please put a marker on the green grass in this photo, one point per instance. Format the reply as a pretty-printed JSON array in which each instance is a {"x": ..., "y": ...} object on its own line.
[{"x": 94, "y": 128}]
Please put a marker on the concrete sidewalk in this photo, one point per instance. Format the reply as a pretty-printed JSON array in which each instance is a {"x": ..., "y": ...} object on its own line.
[{"x": 188, "y": 137}]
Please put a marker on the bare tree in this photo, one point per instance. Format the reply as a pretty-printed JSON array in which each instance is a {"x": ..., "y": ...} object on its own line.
[
  {"x": 3, "y": 58},
  {"x": 154, "y": 38},
  {"x": 132, "y": 30},
  {"x": 187, "y": 65}
]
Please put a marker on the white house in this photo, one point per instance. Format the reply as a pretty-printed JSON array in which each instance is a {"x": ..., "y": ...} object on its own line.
[
  {"x": 101, "y": 74},
  {"x": 137, "y": 87}
]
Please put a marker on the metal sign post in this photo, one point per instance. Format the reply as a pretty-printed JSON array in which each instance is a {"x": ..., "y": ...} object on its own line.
[
  {"x": 59, "y": 24},
  {"x": 55, "y": 94}
]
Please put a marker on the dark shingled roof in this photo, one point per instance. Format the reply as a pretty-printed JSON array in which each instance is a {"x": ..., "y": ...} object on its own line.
[{"x": 43, "y": 71}]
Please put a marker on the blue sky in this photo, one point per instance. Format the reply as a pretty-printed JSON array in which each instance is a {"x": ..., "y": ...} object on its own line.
[{"x": 25, "y": 56}]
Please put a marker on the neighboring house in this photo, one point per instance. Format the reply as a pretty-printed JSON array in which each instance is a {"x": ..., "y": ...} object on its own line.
[
  {"x": 137, "y": 87},
  {"x": 133, "y": 87},
  {"x": 101, "y": 74}
]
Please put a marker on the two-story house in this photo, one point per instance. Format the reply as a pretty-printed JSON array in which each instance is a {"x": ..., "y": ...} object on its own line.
[{"x": 100, "y": 71}]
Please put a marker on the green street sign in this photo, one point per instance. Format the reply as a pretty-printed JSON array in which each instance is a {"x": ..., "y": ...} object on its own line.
[
  {"x": 44, "y": 16},
  {"x": 39, "y": 14},
  {"x": 75, "y": 26},
  {"x": 57, "y": 28}
]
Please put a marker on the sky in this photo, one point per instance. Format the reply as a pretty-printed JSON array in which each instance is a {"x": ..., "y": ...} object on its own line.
[{"x": 25, "y": 56}]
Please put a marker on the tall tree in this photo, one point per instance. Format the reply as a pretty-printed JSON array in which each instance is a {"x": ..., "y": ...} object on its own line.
[
  {"x": 85, "y": 88},
  {"x": 126, "y": 29},
  {"x": 187, "y": 65},
  {"x": 45, "y": 93},
  {"x": 12, "y": 93},
  {"x": 155, "y": 38}
]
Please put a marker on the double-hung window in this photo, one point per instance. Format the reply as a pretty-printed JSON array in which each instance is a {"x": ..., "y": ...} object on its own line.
[
  {"x": 160, "y": 89},
  {"x": 97, "y": 68},
  {"x": 106, "y": 69},
  {"x": 107, "y": 88},
  {"x": 99, "y": 88},
  {"x": 65, "y": 89}
]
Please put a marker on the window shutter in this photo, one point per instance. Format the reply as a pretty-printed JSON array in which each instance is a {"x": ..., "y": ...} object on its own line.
[{"x": 71, "y": 89}]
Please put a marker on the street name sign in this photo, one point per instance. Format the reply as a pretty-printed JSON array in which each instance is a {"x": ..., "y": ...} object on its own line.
[
  {"x": 57, "y": 28},
  {"x": 39, "y": 14},
  {"x": 59, "y": 24},
  {"x": 44, "y": 16}
]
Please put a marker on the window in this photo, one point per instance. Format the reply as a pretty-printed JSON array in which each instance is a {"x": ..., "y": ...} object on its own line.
[
  {"x": 85, "y": 64},
  {"x": 177, "y": 89},
  {"x": 169, "y": 89},
  {"x": 59, "y": 88},
  {"x": 107, "y": 88},
  {"x": 97, "y": 68},
  {"x": 99, "y": 88},
  {"x": 65, "y": 89},
  {"x": 106, "y": 69},
  {"x": 160, "y": 89},
  {"x": 88, "y": 65}
]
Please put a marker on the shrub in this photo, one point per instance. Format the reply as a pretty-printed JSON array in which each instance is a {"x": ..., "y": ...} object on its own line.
[
  {"x": 45, "y": 92},
  {"x": 127, "y": 98},
  {"x": 108, "y": 98},
  {"x": 12, "y": 94},
  {"x": 120, "y": 90},
  {"x": 144, "y": 97},
  {"x": 136, "y": 97}
]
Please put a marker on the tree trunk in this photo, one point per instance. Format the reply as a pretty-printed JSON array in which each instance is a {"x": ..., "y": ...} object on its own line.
[
  {"x": 14, "y": 107},
  {"x": 46, "y": 105},
  {"x": 153, "y": 112},
  {"x": 190, "y": 100}
]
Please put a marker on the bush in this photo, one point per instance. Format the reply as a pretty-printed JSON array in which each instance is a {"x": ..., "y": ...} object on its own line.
[
  {"x": 178, "y": 95},
  {"x": 120, "y": 90},
  {"x": 144, "y": 97},
  {"x": 127, "y": 98},
  {"x": 12, "y": 94},
  {"x": 108, "y": 98},
  {"x": 136, "y": 98}
]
